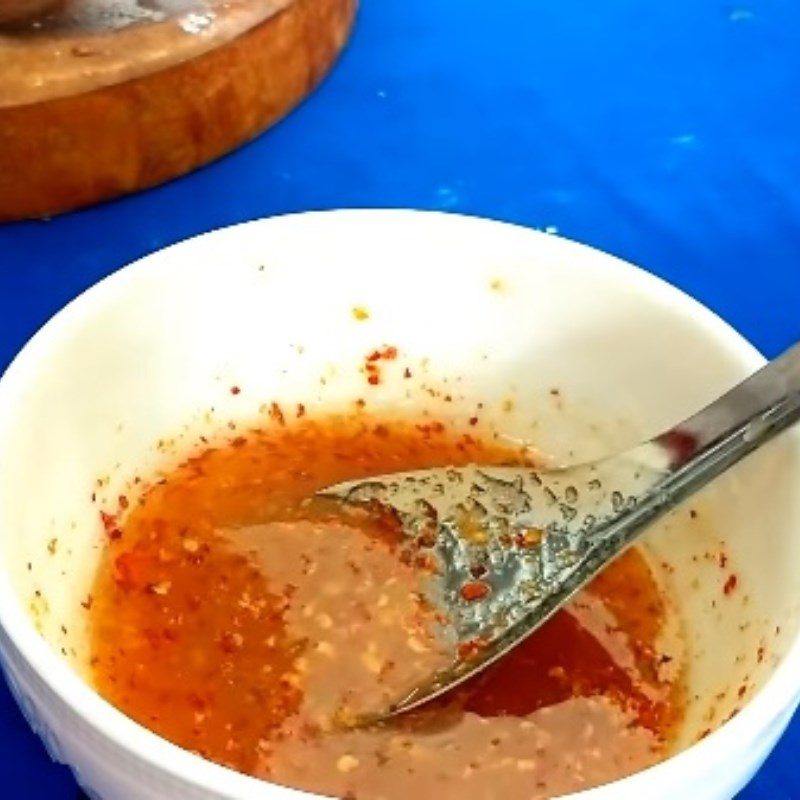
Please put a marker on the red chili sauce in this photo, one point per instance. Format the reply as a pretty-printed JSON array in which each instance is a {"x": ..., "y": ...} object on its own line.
[{"x": 234, "y": 621}]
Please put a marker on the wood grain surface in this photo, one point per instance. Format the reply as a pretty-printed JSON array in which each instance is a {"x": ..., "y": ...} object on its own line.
[{"x": 70, "y": 152}]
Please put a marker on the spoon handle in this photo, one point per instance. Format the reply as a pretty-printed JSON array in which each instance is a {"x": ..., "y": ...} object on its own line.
[
  {"x": 713, "y": 440},
  {"x": 757, "y": 409}
]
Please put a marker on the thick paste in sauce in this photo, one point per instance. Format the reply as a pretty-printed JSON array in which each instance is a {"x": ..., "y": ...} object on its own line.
[{"x": 237, "y": 621}]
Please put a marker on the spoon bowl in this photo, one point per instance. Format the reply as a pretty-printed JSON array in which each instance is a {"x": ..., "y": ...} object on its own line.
[{"x": 512, "y": 545}]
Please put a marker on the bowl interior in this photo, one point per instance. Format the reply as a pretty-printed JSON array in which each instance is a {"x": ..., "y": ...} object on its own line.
[{"x": 125, "y": 380}]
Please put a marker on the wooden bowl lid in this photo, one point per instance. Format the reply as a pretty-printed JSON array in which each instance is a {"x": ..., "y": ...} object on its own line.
[{"x": 100, "y": 98}]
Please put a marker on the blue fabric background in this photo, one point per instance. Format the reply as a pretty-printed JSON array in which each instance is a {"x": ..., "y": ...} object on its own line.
[{"x": 666, "y": 133}]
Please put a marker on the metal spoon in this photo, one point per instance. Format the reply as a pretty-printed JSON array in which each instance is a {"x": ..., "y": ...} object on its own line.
[{"x": 512, "y": 545}]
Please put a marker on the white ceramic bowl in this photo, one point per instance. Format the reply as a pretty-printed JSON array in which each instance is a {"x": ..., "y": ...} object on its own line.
[{"x": 496, "y": 313}]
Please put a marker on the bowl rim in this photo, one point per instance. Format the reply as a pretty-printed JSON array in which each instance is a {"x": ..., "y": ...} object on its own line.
[{"x": 774, "y": 699}]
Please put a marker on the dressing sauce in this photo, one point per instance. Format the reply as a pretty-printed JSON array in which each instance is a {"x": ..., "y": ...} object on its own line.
[{"x": 237, "y": 621}]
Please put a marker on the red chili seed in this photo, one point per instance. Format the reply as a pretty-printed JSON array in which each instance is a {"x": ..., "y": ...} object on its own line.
[{"x": 475, "y": 590}]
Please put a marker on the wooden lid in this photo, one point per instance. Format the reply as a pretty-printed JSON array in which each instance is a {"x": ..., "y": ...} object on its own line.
[{"x": 89, "y": 113}]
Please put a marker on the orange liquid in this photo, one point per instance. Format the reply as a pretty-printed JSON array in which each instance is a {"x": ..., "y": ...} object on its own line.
[{"x": 195, "y": 633}]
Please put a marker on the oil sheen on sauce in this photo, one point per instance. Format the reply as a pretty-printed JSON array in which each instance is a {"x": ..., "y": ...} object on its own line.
[{"x": 233, "y": 619}]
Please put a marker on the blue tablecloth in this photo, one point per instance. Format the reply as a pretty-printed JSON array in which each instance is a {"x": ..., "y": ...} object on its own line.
[{"x": 666, "y": 133}]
